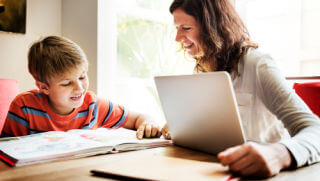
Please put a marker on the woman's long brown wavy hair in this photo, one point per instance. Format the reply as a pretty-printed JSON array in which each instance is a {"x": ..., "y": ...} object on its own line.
[{"x": 224, "y": 38}]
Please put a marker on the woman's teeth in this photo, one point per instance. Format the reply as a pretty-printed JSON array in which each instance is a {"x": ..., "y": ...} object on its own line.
[{"x": 187, "y": 45}]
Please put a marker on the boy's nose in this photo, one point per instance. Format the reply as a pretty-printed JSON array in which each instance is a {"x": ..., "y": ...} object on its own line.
[{"x": 78, "y": 86}]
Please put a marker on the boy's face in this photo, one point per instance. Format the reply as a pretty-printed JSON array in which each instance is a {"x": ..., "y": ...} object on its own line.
[{"x": 67, "y": 91}]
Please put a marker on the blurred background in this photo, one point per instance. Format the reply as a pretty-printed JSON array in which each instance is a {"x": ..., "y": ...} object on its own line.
[{"x": 128, "y": 42}]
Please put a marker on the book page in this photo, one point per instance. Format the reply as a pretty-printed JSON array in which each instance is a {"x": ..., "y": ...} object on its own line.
[
  {"x": 111, "y": 137},
  {"x": 47, "y": 144},
  {"x": 54, "y": 145}
]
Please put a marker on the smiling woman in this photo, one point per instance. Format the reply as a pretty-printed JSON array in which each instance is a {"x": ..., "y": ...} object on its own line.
[{"x": 283, "y": 132}]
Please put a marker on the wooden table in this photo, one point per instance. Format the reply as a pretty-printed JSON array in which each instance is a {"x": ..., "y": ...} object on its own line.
[{"x": 165, "y": 163}]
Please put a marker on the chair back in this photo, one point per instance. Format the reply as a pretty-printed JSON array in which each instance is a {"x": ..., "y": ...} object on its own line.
[
  {"x": 310, "y": 94},
  {"x": 8, "y": 91}
]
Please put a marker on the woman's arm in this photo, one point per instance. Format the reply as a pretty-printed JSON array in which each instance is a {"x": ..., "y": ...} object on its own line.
[
  {"x": 281, "y": 100},
  {"x": 264, "y": 160}
]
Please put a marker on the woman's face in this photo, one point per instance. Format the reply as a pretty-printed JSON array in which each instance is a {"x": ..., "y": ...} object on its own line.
[{"x": 188, "y": 32}]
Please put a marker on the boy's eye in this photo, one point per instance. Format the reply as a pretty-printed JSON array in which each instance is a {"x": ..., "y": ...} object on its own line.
[{"x": 66, "y": 84}]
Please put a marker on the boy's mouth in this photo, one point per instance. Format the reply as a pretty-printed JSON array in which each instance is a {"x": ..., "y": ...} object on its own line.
[{"x": 76, "y": 98}]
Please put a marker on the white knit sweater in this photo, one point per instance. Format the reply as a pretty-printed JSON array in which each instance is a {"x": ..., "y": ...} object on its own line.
[{"x": 264, "y": 97}]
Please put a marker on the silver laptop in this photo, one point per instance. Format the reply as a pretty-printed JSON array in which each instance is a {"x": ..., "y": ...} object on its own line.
[{"x": 201, "y": 111}]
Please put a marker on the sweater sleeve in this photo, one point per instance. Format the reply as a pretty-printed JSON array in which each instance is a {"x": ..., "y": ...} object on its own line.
[{"x": 301, "y": 123}]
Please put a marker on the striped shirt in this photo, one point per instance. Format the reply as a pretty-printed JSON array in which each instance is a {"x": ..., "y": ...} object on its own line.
[{"x": 31, "y": 113}]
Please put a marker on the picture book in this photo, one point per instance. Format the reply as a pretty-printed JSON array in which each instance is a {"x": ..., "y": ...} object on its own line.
[{"x": 57, "y": 145}]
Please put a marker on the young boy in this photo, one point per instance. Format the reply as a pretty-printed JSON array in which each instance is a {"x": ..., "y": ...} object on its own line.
[{"x": 62, "y": 100}]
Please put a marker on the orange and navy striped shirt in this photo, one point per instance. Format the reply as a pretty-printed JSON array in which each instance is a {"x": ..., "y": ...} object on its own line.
[{"x": 31, "y": 113}]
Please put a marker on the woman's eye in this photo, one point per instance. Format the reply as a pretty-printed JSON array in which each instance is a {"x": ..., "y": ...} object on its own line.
[
  {"x": 186, "y": 28},
  {"x": 83, "y": 77}
]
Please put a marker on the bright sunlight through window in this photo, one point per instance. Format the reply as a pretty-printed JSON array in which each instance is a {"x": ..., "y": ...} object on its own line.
[
  {"x": 146, "y": 47},
  {"x": 288, "y": 30}
]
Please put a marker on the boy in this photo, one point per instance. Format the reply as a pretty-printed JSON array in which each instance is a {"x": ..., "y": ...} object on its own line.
[{"x": 62, "y": 102}]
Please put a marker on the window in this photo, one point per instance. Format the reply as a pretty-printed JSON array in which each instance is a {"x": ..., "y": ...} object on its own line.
[
  {"x": 146, "y": 47},
  {"x": 288, "y": 30}
]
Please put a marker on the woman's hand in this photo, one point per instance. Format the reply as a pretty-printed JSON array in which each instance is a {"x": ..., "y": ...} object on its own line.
[
  {"x": 254, "y": 159},
  {"x": 165, "y": 132}
]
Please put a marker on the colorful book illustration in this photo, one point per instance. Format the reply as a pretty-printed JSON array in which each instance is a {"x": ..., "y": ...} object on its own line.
[{"x": 57, "y": 145}]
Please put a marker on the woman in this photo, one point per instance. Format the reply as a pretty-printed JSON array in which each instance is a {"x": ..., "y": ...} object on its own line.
[{"x": 213, "y": 34}]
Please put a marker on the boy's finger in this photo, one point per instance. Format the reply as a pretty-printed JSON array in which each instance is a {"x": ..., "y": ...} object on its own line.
[
  {"x": 165, "y": 128},
  {"x": 167, "y": 135},
  {"x": 163, "y": 132},
  {"x": 155, "y": 130},
  {"x": 147, "y": 131},
  {"x": 140, "y": 131},
  {"x": 159, "y": 133}
]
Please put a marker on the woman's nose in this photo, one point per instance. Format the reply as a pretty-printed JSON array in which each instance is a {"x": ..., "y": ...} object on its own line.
[{"x": 178, "y": 36}]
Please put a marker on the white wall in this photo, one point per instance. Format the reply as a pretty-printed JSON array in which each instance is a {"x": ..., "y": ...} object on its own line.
[
  {"x": 107, "y": 48},
  {"x": 74, "y": 19},
  {"x": 43, "y": 18},
  {"x": 92, "y": 25},
  {"x": 79, "y": 23}
]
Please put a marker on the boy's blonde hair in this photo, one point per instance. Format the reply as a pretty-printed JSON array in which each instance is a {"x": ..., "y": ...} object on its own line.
[{"x": 52, "y": 56}]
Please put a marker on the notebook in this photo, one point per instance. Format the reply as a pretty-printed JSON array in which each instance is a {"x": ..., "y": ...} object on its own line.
[{"x": 201, "y": 110}]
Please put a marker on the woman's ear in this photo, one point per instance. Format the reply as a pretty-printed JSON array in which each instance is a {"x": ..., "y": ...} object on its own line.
[{"x": 43, "y": 87}]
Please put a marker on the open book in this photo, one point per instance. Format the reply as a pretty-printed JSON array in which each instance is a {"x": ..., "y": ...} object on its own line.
[{"x": 57, "y": 145}]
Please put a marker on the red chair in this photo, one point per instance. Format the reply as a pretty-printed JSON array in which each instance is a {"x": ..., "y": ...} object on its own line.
[
  {"x": 310, "y": 94},
  {"x": 8, "y": 91}
]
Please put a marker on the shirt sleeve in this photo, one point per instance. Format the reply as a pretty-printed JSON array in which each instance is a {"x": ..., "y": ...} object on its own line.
[
  {"x": 16, "y": 123},
  {"x": 114, "y": 115},
  {"x": 301, "y": 123}
]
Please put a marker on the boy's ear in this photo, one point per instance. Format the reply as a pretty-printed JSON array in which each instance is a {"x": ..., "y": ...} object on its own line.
[{"x": 43, "y": 87}]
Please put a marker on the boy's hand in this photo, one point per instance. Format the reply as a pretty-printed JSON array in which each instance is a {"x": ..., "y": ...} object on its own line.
[
  {"x": 148, "y": 129},
  {"x": 165, "y": 132},
  {"x": 143, "y": 124}
]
